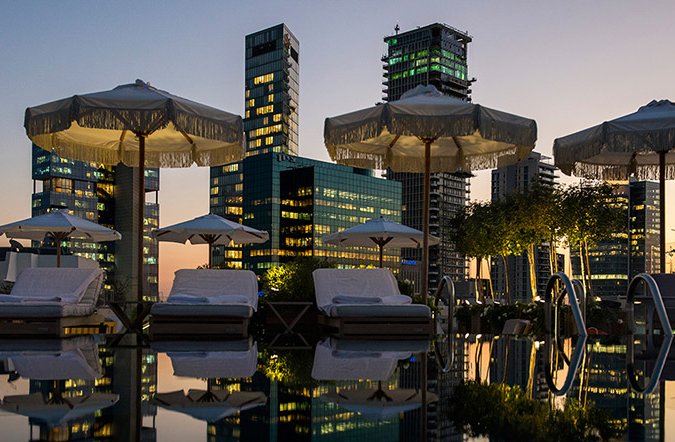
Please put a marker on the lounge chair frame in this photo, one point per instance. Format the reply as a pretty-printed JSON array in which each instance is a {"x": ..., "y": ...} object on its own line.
[
  {"x": 379, "y": 327},
  {"x": 55, "y": 327},
  {"x": 197, "y": 326}
]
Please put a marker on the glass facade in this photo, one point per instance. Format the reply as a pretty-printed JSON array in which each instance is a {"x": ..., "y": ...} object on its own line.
[
  {"x": 635, "y": 249},
  {"x": 435, "y": 54},
  {"x": 88, "y": 190},
  {"x": 298, "y": 200},
  {"x": 272, "y": 86}
]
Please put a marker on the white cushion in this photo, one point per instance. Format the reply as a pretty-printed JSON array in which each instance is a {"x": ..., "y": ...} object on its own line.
[
  {"x": 69, "y": 285},
  {"x": 373, "y": 283},
  {"x": 209, "y": 283}
]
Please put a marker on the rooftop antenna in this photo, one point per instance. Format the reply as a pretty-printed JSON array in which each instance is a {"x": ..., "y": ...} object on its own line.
[{"x": 397, "y": 28}]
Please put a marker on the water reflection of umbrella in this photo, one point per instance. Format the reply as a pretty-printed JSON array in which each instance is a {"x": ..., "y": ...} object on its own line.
[
  {"x": 405, "y": 134},
  {"x": 140, "y": 126},
  {"x": 640, "y": 143},
  {"x": 379, "y": 404},
  {"x": 57, "y": 409},
  {"x": 209, "y": 406},
  {"x": 212, "y": 230},
  {"x": 60, "y": 226},
  {"x": 381, "y": 232}
]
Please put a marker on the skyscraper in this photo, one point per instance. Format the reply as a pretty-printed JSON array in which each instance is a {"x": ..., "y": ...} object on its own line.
[
  {"x": 520, "y": 177},
  {"x": 102, "y": 195},
  {"x": 272, "y": 86},
  {"x": 297, "y": 200},
  {"x": 632, "y": 250},
  {"x": 435, "y": 54}
]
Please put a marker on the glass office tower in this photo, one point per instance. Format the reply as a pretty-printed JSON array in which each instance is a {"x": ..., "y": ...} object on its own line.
[
  {"x": 435, "y": 54},
  {"x": 92, "y": 192}
]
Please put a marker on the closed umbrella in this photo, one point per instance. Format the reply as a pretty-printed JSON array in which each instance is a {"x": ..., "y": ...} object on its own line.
[
  {"x": 380, "y": 232},
  {"x": 406, "y": 134},
  {"x": 639, "y": 144},
  {"x": 140, "y": 126},
  {"x": 212, "y": 230},
  {"x": 60, "y": 226}
]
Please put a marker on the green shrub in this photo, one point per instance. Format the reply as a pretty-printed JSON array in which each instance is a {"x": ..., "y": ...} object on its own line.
[{"x": 292, "y": 281}]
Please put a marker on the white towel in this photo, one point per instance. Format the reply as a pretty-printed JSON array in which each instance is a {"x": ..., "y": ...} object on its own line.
[
  {"x": 179, "y": 298},
  {"x": 348, "y": 299}
]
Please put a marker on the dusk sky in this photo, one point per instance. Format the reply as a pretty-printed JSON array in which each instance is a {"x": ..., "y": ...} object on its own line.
[{"x": 568, "y": 65}]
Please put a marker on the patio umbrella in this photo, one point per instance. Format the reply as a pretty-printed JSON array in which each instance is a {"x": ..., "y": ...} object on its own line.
[
  {"x": 379, "y": 404},
  {"x": 639, "y": 144},
  {"x": 57, "y": 410},
  {"x": 212, "y": 230},
  {"x": 404, "y": 135},
  {"x": 140, "y": 126},
  {"x": 381, "y": 232},
  {"x": 60, "y": 226},
  {"x": 209, "y": 406}
]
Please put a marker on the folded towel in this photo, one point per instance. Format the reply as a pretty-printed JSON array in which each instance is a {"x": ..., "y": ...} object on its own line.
[
  {"x": 220, "y": 299},
  {"x": 347, "y": 299},
  {"x": 396, "y": 299},
  {"x": 38, "y": 300}
]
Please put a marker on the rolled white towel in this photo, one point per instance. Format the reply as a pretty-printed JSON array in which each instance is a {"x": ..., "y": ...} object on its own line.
[
  {"x": 348, "y": 299},
  {"x": 397, "y": 299}
]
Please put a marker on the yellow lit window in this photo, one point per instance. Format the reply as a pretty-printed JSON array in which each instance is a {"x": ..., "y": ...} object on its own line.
[
  {"x": 248, "y": 113},
  {"x": 270, "y": 98},
  {"x": 276, "y": 118},
  {"x": 265, "y": 109},
  {"x": 263, "y": 78},
  {"x": 269, "y": 140},
  {"x": 248, "y": 93},
  {"x": 251, "y": 102}
]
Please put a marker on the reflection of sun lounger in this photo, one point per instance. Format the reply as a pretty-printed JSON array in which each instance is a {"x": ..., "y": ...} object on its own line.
[
  {"x": 343, "y": 360},
  {"x": 209, "y": 359},
  {"x": 207, "y": 302},
  {"x": 367, "y": 302},
  {"x": 210, "y": 406},
  {"x": 52, "y": 301},
  {"x": 54, "y": 359}
]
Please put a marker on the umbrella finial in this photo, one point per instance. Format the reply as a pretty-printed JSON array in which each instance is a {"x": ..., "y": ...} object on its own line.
[{"x": 141, "y": 83}]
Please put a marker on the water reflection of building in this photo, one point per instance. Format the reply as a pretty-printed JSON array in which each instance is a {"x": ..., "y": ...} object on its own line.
[
  {"x": 631, "y": 250},
  {"x": 297, "y": 413},
  {"x": 603, "y": 382}
]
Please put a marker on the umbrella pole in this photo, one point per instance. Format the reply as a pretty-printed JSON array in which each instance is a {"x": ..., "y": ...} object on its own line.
[
  {"x": 141, "y": 212},
  {"x": 662, "y": 198},
  {"x": 381, "y": 249},
  {"x": 425, "y": 219}
]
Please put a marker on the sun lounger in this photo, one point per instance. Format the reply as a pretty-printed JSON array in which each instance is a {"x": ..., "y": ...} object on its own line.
[
  {"x": 207, "y": 302},
  {"x": 367, "y": 302},
  {"x": 52, "y": 301}
]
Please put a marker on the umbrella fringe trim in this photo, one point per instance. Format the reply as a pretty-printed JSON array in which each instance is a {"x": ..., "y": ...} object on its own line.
[
  {"x": 84, "y": 152},
  {"x": 615, "y": 173},
  {"x": 351, "y": 133}
]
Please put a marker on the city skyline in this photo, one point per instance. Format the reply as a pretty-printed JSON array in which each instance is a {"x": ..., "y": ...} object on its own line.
[{"x": 569, "y": 66}]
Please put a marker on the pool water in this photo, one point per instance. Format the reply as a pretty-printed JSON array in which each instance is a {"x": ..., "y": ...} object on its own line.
[{"x": 326, "y": 389}]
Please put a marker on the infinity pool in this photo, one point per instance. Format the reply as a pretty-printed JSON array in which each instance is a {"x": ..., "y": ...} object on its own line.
[{"x": 271, "y": 388}]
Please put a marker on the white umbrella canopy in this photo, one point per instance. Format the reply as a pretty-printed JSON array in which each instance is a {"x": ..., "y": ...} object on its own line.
[
  {"x": 380, "y": 232},
  {"x": 639, "y": 144},
  {"x": 138, "y": 125},
  {"x": 59, "y": 225},
  {"x": 406, "y": 134},
  {"x": 209, "y": 406},
  {"x": 58, "y": 410},
  {"x": 212, "y": 230}
]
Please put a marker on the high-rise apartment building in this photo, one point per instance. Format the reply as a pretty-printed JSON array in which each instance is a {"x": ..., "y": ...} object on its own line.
[
  {"x": 102, "y": 195},
  {"x": 632, "y": 250},
  {"x": 519, "y": 178},
  {"x": 435, "y": 54}
]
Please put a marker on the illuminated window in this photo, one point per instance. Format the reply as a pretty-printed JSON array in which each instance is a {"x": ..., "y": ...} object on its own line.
[
  {"x": 269, "y": 140},
  {"x": 251, "y": 102},
  {"x": 270, "y": 98},
  {"x": 276, "y": 118},
  {"x": 265, "y": 110},
  {"x": 248, "y": 113},
  {"x": 263, "y": 78}
]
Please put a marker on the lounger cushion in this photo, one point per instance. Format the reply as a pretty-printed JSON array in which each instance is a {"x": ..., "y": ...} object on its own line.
[
  {"x": 51, "y": 310},
  {"x": 383, "y": 310},
  {"x": 374, "y": 283},
  {"x": 204, "y": 283},
  {"x": 203, "y": 310},
  {"x": 71, "y": 284}
]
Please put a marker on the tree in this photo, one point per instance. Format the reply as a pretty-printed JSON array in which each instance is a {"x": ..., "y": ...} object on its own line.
[
  {"x": 292, "y": 281},
  {"x": 590, "y": 214}
]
